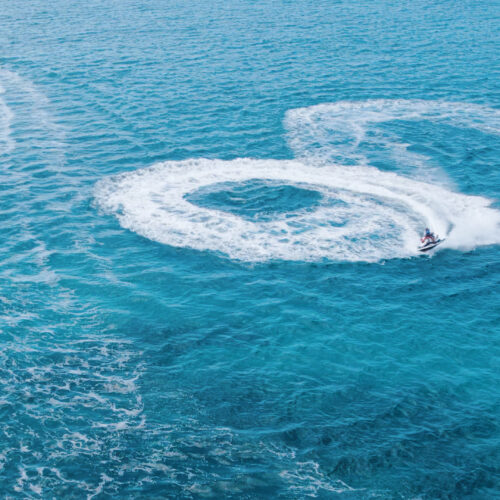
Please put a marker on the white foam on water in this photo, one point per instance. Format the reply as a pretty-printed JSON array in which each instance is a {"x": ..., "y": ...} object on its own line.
[
  {"x": 6, "y": 116},
  {"x": 380, "y": 217},
  {"x": 26, "y": 111},
  {"x": 365, "y": 214},
  {"x": 308, "y": 479},
  {"x": 337, "y": 129}
]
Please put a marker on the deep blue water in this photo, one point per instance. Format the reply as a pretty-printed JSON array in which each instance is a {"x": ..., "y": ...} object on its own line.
[{"x": 210, "y": 283}]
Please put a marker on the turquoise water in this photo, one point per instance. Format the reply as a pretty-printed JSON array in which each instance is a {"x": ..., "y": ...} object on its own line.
[{"x": 210, "y": 286}]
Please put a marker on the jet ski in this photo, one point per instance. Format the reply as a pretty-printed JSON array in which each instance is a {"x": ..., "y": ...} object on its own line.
[{"x": 429, "y": 244}]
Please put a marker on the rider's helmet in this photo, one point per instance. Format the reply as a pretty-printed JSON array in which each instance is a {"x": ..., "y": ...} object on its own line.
[{"x": 427, "y": 230}]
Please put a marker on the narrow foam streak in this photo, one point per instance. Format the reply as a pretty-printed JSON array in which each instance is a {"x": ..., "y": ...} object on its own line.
[{"x": 6, "y": 116}]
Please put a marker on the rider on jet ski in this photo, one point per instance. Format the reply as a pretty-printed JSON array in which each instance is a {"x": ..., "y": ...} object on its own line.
[{"x": 428, "y": 237}]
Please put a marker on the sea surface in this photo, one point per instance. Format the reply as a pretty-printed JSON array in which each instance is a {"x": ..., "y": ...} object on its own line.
[{"x": 209, "y": 278}]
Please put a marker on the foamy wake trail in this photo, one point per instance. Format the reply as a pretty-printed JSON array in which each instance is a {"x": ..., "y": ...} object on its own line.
[
  {"x": 25, "y": 110},
  {"x": 364, "y": 215},
  {"x": 336, "y": 130},
  {"x": 6, "y": 115}
]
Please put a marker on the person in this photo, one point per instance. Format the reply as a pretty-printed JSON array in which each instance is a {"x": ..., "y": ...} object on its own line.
[{"x": 428, "y": 236}]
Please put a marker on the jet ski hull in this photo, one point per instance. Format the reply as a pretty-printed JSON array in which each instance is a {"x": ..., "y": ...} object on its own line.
[{"x": 430, "y": 245}]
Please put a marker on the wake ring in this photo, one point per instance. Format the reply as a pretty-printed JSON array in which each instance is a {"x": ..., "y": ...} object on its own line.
[{"x": 363, "y": 213}]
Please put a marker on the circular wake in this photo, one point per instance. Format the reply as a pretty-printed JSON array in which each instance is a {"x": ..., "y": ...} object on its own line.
[
  {"x": 360, "y": 213},
  {"x": 364, "y": 214}
]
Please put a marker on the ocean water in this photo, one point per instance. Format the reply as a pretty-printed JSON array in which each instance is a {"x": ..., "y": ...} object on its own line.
[{"x": 209, "y": 279}]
